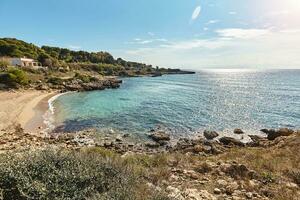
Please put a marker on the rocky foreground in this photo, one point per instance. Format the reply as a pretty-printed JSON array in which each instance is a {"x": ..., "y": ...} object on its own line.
[{"x": 193, "y": 169}]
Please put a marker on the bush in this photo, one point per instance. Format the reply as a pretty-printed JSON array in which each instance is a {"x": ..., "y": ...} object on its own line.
[
  {"x": 85, "y": 78},
  {"x": 14, "y": 77},
  {"x": 64, "y": 174},
  {"x": 4, "y": 64}
]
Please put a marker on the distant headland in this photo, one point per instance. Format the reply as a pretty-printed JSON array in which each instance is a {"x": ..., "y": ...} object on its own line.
[{"x": 25, "y": 65}]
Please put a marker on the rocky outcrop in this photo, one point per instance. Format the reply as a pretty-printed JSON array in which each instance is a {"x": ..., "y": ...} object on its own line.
[
  {"x": 78, "y": 85},
  {"x": 256, "y": 141},
  {"x": 238, "y": 131},
  {"x": 272, "y": 134},
  {"x": 231, "y": 141},
  {"x": 210, "y": 134},
  {"x": 160, "y": 137}
]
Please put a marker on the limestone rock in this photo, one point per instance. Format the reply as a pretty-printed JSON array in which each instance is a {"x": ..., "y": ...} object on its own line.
[
  {"x": 160, "y": 136},
  {"x": 210, "y": 134},
  {"x": 174, "y": 193},
  {"x": 230, "y": 140},
  {"x": 194, "y": 194},
  {"x": 272, "y": 134},
  {"x": 238, "y": 131}
]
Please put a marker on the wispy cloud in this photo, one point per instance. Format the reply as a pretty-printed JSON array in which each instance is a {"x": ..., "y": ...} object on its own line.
[
  {"x": 214, "y": 21},
  {"x": 195, "y": 43},
  {"x": 242, "y": 33},
  {"x": 147, "y": 41},
  {"x": 151, "y": 33},
  {"x": 232, "y": 13},
  {"x": 196, "y": 13},
  {"x": 229, "y": 48}
]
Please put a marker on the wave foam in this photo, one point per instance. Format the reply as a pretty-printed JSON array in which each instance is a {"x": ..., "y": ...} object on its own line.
[{"x": 49, "y": 115}]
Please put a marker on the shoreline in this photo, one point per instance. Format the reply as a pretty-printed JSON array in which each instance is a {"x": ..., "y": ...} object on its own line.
[
  {"x": 37, "y": 121},
  {"x": 25, "y": 108}
]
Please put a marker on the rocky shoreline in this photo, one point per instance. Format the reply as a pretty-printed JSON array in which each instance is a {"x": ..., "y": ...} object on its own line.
[
  {"x": 158, "y": 141},
  {"x": 75, "y": 84},
  {"x": 203, "y": 168}
]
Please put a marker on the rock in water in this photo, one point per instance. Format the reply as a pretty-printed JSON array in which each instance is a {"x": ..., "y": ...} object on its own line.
[
  {"x": 160, "y": 136},
  {"x": 238, "y": 131},
  {"x": 210, "y": 134},
  {"x": 230, "y": 140}
]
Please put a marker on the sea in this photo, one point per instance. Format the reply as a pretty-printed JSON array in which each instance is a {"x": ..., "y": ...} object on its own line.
[{"x": 185, "y": 105}]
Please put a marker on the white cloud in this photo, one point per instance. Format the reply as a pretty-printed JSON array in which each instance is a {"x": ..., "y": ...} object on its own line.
[
  {"x": 232, "y": 13},
  {"x": 140, "y": 41},
  {"x": 196, "y": 13},
  {"x": 242, "y": 33},
  {"x": 195, "y": 43},
  {"x": 145, "y": 42},
  {"x": 214, "y": 21}
]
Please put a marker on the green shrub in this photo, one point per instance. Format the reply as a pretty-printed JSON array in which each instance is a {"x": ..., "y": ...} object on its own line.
[
  {"x": 66, "y": 174},
  {"x": 4, "y": 64},
  {"x": 14, "y": 77},
  {"x": 82, "y": 77}
]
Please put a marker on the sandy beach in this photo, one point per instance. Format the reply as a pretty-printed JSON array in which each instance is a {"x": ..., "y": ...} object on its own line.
[{"x": 24, "y": 107}]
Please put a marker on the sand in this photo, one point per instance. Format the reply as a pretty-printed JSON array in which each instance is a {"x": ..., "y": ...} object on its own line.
[{"x": 24, "y": 107}]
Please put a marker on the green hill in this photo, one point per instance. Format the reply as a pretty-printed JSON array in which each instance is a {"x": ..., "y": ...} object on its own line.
[{"x": 56, "y": 57}]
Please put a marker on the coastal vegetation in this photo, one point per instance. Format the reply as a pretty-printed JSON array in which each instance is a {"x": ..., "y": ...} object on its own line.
[
  {"x": 61, "y": 65},
  {"x": 14, "y": 77},
  {"x": 65, "y": 174},
  {"x": 64, "y": 59}
]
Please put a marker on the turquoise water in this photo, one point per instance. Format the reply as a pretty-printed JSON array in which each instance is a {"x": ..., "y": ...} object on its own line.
[{"x": 213, "y": 99}]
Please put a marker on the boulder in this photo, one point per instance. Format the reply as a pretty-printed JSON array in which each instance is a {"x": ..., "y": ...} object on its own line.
[
  {"x": 285, "y": 132},
  {"x": 256, "y": 140},
  {"x": 273, "y": 134},
  {"x": 217, "y": 191},
  {"x": 238, "y": 131},
  {"x": 160, "y": 136},
  {"x": 266, "y": 131},
  {"x": 210, "y": 134},
  {"x": 230, "y": 140}
]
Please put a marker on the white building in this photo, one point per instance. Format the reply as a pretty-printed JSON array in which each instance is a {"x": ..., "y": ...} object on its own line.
[{"x": 25, "y": 62}]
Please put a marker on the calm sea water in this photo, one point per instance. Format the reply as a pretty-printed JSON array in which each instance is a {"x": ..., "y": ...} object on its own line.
[{"x": 213, "y": 99}]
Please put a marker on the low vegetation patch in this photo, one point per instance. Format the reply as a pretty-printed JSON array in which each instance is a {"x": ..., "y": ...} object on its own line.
[
  {"x": 14, "y": 77},
  {"x": 64, "y": 174}
]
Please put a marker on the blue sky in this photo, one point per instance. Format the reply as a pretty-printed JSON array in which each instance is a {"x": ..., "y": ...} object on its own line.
[{"x": 189, "y": 34}]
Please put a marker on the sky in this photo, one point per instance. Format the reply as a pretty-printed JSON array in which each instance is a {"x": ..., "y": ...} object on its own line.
[{"x": 188, "y": 34}]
